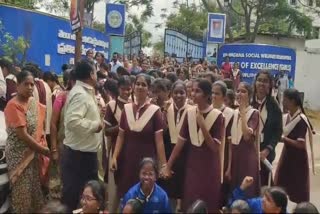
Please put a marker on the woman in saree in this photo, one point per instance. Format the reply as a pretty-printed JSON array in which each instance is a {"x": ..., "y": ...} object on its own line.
[{"x": 26, "y": 147}]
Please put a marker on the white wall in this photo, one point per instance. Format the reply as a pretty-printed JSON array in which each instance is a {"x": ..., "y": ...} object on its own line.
[{"x": 307, "y": 77}]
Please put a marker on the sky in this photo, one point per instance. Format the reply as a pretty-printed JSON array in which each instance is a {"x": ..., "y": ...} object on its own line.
[{"x": 157, "y": 33}]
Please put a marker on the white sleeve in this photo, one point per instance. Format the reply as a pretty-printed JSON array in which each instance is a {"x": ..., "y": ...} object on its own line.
[{"x": 3, "y": 85}]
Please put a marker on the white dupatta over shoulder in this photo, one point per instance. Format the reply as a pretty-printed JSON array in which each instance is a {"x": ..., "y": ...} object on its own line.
[
  {"x": 288, "y": 127},
  {"x": 175, "y": 126},
  {"x": 138, "y": 124}
]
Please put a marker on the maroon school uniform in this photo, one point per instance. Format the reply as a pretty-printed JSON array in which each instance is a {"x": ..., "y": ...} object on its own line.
[
  {"x": 137, "y": 145},
  {"x": 202, "y": 167},
  {"x": 225, "y": 189},
  {"x": 293, "y": 169},
  {"x": 245, "y": 160},
  {"x": 174, "y": 185},
  {"x": 111, "y": 120}
]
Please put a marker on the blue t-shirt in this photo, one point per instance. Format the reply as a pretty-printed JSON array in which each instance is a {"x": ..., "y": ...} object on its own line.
[
  {"x": 157, "y": 202},
  {"x": 255, "y": 204}
]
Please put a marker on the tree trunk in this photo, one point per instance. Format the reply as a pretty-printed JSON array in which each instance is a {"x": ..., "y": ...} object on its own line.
[
  {"x": 228, "y": 22},
  {"x": 78, "y": 49}
]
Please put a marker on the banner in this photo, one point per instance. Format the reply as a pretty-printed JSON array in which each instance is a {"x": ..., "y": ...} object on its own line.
[
  {"x": 116, "y": 45},
  {"x": 255, "y": 57},
  {"x": 132, "y": 44},
  {"x": 216, "y": 27},
  {"x": 212, "y": 53},
  {"x": 179, "y": 46},
  {"x": 75, "y": 16},
  {"x": 115, "y": 19},
  {"x": 58, "y": 46}
]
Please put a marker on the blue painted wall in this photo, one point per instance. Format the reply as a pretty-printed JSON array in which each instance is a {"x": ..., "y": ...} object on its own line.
[{"x": 45, "y": 32}]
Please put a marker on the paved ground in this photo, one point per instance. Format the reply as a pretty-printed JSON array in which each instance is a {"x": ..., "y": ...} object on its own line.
[{"x": 315, "y": 179}]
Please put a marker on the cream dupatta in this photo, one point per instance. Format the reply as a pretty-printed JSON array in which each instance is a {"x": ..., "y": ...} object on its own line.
[
  {"x": 227, "y": 114},
  {"x": 117, "y": 112},
  {"x": 196, "y": 136},
  {"x": 288, "y": 127},
  {"x": 175, "y": 127},
  {"x": 137, "y": 125},
  {"x": 236, "y": 130}
]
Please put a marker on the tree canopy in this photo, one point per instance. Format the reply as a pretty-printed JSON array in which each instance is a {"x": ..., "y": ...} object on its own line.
[
  {"x": 269, "y": 16},
  {"x": 190, "y": 20}
]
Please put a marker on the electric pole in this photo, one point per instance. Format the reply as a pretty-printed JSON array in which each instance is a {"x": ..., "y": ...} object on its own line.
[{"x": 78, "y": 49}]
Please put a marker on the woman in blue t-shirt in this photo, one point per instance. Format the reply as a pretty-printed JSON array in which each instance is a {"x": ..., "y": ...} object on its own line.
[
  {"x": 274, "y": 199},
  {"x": 152, "y": 196}
]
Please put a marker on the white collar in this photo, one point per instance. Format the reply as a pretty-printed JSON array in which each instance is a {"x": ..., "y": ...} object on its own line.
[
  {"x": 294, "y": 115},
  {"x": 148, "y": 196},
  {"x": 260, "y": 102},
  {"x": 248, "y": 109},
  {"x": 221, "y": 108},
  {"x": 145, "y": 103},
  {"x": 85, "y": 85},
  {"x": 179, "y": 109},
  {"x": 122, "y": 100}
]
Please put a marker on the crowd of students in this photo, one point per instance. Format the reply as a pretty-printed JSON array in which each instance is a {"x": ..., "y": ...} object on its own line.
[{"x": 163, "y": 137}]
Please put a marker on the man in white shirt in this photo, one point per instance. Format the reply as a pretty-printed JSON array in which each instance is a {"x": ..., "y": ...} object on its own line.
[
  {"x": 115, "y": 63},
  {"x": 82, "y": 135}
]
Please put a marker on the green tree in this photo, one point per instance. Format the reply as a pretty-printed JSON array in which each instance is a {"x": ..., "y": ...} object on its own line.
[
  {"x": 15, "y": 50},
  {"x": 145, "y": 5},
  {"x": 99, "y": 26},
  {"x": 158, "y": 47},
  {"x": 137, "y": 24},
  {"x": 28, "y": 4},
  {"x": 274, "y": 16},
  {"x": 190, "y": 20},
  {"x": 61, "y": 7}
]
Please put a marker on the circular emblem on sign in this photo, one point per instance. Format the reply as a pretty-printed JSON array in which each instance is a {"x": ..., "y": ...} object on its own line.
[{"x": 114, "y": 19}]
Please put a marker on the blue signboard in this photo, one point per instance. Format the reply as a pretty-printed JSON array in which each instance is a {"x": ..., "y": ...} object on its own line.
[
  {"x": 216, "y": 27},
  {"x": 116, "y": 45},
  {"x": 51, "y": 42},
  {"x": 255, "y": 57},
  {"x": 115, "y": 19}
]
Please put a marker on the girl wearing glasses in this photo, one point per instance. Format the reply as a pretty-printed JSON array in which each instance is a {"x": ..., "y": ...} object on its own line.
[{"x": 270, "y": 121}]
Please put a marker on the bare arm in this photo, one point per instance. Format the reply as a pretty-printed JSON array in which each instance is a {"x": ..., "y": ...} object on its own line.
[
  {"x": 31, "y": 142},
  {"x": 111, "y": 130},
  {"x": 54, "y": 129},
  {"x": 176, "y": 152},
  {"x": 246, "y": 131},
  {"x": 160, "y": 147},
  {"x": 211, "y": 143},
  {"x": 294, "y": 143},
  {"x": 229, "y": 155},
  {"x": 119, "y": 144}
]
